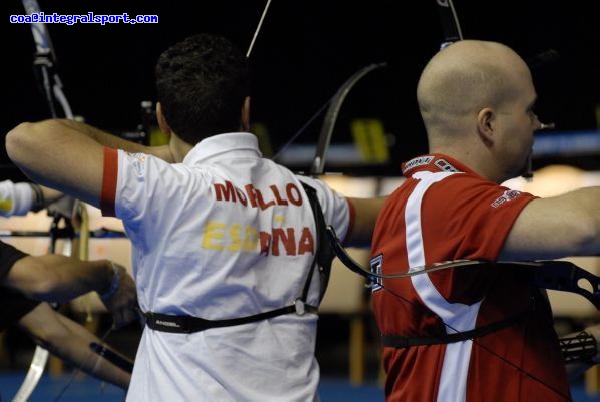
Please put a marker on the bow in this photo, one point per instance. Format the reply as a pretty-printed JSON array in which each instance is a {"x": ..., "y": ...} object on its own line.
[
  {"x": 52, "y": 88},
  {"x": 555, "y": 275}
]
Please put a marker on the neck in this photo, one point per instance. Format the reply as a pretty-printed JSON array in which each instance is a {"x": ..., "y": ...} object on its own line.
[
  {"x": 476, "y": 158},
  {"x": 178, "y": 148}
]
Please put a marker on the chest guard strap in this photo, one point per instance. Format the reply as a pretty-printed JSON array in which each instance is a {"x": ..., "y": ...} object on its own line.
[
  {"x": 186, "y": 324},
  {"x": 396, "y": 341}
]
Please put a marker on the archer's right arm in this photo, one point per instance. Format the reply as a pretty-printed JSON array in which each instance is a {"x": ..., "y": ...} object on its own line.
[{"x": 68, "y": 155}]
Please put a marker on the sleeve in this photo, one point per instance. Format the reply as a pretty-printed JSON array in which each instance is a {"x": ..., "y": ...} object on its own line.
[
  {"x": 15, "y": 198},
  {"x": 336, "y": 208},
  {"x": 8, "y": 256},
  {"x": 146, "y": 192},
  {"x": 128, "y": 182},
  {"x": 109, "y": 181},
  {"x": 468, "y": 218}
]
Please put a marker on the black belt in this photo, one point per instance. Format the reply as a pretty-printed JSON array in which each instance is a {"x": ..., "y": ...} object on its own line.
[{"x": 186, "y": 324}]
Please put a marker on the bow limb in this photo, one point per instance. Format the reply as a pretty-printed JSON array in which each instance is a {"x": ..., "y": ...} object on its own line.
[
  {"x": 44, "y": 61},
  {"x": 318, "y": 163},
  {"x": 36, "y": 369},
  {"x": 43, "y": 44},
  {"x": 450, "y": 23},
  {"x": 333, "y": 106},
  {"x": 52, "y": 88}
]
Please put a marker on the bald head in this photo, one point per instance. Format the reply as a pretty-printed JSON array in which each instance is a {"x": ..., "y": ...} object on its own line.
[{"x": 464, "y": 78}]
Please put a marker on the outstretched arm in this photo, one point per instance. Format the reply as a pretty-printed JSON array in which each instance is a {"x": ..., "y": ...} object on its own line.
[
  {"x": 22, "y": 197},
  {"x": 366, "y": 211},
  {"x": 68, "y": 155},
  {"x": 58, "y": 278},
  {"x": 556, "y": 227},
  {"x": 71, "y": 342}
]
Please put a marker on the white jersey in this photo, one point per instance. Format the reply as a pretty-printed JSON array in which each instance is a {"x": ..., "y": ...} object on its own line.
[
  {"x": 225, "y": 234},
  {"x": 15, "y": 198}
]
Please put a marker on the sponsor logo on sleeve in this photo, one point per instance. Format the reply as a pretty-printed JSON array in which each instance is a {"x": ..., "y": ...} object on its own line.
[
  {"x": 139, "y": 156},
  {"x": 507, "y": 196},
  {"x": 138, "y": 162}
]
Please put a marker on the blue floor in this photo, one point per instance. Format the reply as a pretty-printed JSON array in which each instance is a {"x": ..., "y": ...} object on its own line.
[{"x": 90, "y": 390}]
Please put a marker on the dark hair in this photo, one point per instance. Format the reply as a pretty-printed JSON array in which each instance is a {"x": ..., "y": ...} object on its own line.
[{"x": 201, "y": 83}]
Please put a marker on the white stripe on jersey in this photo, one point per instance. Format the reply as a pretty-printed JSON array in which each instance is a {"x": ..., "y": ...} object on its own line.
[{"x": 460, "y": 317}]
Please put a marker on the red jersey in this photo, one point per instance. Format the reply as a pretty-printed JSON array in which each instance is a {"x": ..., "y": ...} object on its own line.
[{"x": 444, "y": 211}]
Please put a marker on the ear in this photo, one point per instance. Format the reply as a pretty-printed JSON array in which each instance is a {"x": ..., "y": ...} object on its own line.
[
  {"x": 162, "y": 122},
  {"x": 245, "y": 117},
  {"x": 486, "y": 125}
]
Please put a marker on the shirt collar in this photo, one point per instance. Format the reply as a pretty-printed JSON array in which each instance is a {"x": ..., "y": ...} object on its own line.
[
  {"x": 233, "y": 144},
  {"x": 434, "y": 163}
]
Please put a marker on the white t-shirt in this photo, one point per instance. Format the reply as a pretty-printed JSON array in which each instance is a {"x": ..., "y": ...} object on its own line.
[{"x": 225, "y": 234}]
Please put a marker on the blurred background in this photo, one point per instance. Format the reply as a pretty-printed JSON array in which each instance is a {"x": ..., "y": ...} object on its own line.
[{"x": 304, "y": 52}]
